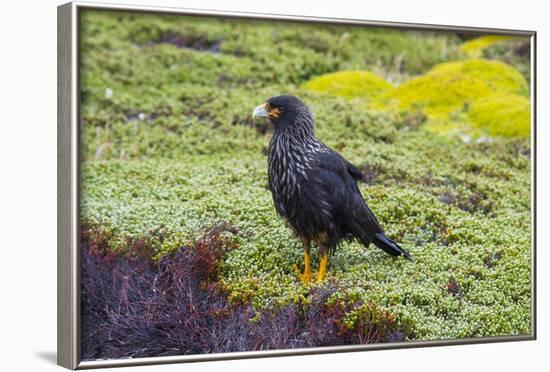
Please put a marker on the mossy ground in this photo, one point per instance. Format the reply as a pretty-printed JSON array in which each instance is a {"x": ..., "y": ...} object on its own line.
[{"x": 169, "y": 149}]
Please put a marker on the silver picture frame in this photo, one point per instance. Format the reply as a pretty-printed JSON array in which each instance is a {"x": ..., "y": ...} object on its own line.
[{"x": 68, "y": 228}]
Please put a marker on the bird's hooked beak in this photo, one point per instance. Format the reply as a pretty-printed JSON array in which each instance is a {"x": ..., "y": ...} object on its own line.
[{"x": 260, "y": 112}]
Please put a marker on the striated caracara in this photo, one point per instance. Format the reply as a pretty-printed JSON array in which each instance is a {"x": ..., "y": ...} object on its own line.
[{"x": 314, "y": 188}]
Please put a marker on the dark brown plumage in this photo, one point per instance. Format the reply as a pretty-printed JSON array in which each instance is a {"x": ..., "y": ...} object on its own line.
[{"x": 314, "y": 188}]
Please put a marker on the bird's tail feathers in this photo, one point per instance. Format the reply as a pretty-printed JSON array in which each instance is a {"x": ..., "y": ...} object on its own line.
[{"x": 389, "y": 246}]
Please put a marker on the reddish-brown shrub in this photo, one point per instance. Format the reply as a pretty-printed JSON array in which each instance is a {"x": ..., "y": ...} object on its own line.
[{"x": 132, "y": 308}]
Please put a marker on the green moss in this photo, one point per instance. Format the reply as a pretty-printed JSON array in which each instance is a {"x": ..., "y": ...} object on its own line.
[
  {"x": 349, "y": 84},
  {"x": 474, "y": 48},
  {"x": 502, "y": 115}
]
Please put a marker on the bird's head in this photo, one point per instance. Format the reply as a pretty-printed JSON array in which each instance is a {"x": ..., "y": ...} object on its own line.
[{"x": 286, "y": 112}]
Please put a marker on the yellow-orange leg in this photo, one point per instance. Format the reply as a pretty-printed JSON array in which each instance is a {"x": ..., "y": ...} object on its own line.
[
  {"x": 322, "y": 268},
  {"x": 306, "y": 276}
]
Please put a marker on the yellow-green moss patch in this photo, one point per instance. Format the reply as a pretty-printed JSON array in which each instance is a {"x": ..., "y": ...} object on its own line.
[
  {"x": 474, "y": 48},
  {"x": 502, "y": 115},
  {"x": 349, "y": 84},
  {"x": 453, "y": 86}
]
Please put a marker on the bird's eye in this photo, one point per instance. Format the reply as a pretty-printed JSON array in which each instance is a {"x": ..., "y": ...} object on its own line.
[{"x": 273, "y": 112}]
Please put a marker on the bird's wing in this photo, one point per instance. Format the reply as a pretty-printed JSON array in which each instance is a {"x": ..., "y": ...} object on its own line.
[
  {"x": 351, "y": 169},
  {"x": 339, "y": 179}
]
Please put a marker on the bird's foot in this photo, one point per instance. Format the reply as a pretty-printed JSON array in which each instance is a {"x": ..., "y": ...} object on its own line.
[
  {"x": 305, "y": 277},
  {"x": 320, "y": 277}
]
